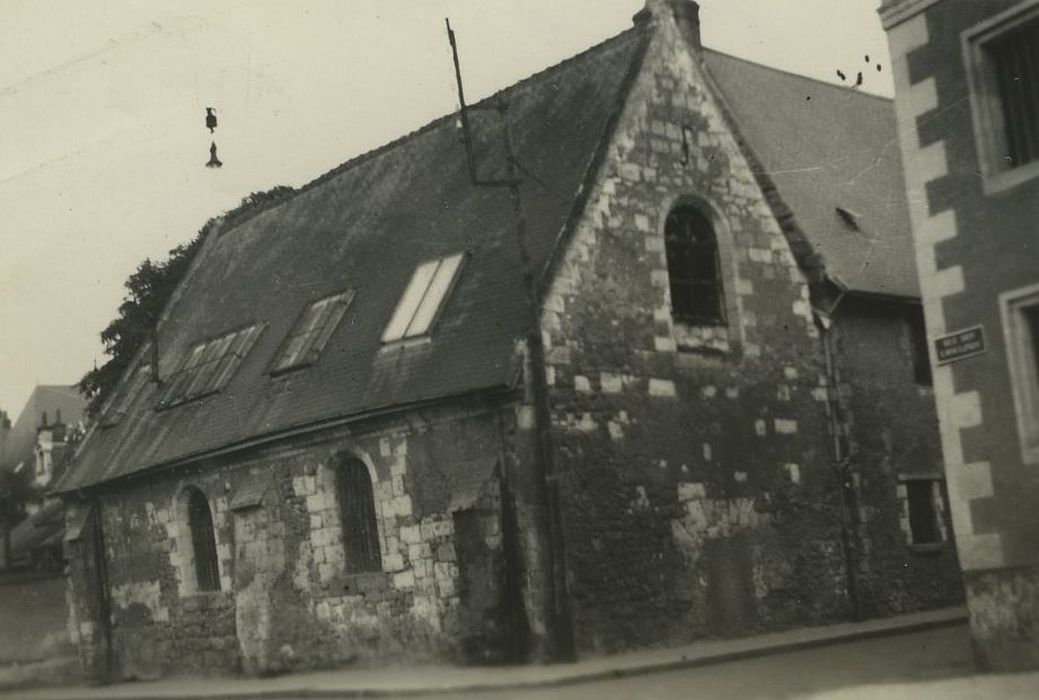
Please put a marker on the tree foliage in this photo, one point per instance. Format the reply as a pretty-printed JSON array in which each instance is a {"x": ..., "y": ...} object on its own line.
[
  {"x": 14, "y": 492},
  {"x": 149, "y": 289}
]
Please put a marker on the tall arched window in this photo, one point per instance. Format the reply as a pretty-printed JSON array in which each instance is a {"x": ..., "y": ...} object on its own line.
[
  {"x": 693, "y": 267},
  {"x": 203, "y": 542},
  {"x": 357, "y": 505}
]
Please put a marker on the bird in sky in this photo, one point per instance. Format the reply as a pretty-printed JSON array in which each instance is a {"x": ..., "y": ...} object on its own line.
[{"x": 214, "y": 162}]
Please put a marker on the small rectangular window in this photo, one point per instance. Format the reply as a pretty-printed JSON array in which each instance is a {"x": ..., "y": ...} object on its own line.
[
  {"x": 923, "y": 516},
  {"x": 312, "y": 331},
  {"x": 423, "y": 298},
  {"x": 918, "y": 347},
  {"x": 1020, "y": 312},
  {"x": 921, "y": 499},
  {"x": 208, "y": 366}
]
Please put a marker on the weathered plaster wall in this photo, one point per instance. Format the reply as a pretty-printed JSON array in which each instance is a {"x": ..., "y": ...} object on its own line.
[
  {"x": 698, "y": 495},
  {"x": 287, "y": 601},
  {"x": 1004, "y": 617}
]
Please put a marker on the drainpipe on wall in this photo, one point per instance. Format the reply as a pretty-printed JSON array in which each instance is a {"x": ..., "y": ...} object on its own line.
[
  {"x": 558, "y": 622},
  {"x": 561, "y": 635},
  {"x": 841, "y": 461}
]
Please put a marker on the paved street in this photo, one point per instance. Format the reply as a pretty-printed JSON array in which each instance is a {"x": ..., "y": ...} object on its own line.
[{"x": 935, "y": 663}]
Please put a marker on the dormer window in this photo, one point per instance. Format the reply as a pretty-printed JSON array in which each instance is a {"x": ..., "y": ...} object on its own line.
[
  {"x": 849, "y": 218},
  {"x": 423, "y": 299},
  {"x": 312, "y": 332},
  {"x": 209, "y": 366}
]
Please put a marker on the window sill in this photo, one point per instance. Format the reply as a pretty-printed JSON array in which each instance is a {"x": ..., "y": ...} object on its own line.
[
  {"x": 1000, "y": 182},
  {"x": 356, "y": 584},
  {"x": 204, "y": 600},
  {"x": 197, "y": 398},
  {"x": 931, "y": 548},
  {"x": 706, "y": 338},
  {"x": 284, "y": 371},
  {"x": 406, "y": 343}
]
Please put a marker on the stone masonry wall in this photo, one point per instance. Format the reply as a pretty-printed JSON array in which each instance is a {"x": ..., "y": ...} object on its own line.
[
  {"x": 891, "y": 434},
  {"x": 286, "y": 600},
  {"x": 698, "y": 495}
]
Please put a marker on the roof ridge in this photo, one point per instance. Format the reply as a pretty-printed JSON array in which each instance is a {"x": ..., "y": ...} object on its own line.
[
  {"x": 808, "y": 78},
  {"x": 365, "y": 156}
]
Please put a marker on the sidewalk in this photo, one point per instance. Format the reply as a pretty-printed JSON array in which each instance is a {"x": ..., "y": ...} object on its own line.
[{"x": 422, "y": 680}]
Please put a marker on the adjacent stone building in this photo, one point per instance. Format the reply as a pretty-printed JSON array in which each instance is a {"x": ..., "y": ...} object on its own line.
[
  {"x": 967, "y": 98},
  {"x": 352, "y": 446}
]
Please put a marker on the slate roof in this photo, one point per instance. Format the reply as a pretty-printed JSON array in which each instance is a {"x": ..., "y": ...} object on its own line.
[
  {"x": 367, "y": 224},
  {"x": 20, "y": 444},
  {"x": 837, "y": 149}
]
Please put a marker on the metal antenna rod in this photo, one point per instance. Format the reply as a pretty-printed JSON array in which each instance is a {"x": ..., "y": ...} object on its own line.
[
  {"x": 560, "y": 642},
  {"x": 467, "y": 134}
]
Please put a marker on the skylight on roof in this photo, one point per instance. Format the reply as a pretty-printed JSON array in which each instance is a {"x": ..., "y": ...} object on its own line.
[
  {"x": 208, "y": 366},
  {"x": 850, "y": 218},
  {"x": 423, "y": 299},
  {"x": 312, "y": 332}
]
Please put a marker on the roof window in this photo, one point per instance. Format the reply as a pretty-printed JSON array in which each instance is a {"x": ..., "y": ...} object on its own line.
[
  {"x": 312, "y": 332},
  {"x": 424, "y": 298},
  {"x": 208, "y": 366},
  {"x": 850, "y": 219}
]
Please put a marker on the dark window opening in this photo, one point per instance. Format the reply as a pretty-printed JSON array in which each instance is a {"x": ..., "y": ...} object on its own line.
[
  {"x": 1031, "y": 314},
  {"x": 693, "y": 267},
  {"x": 918, "y": 347},
  {"x": 203, "y": 542},
  {"x": 1016, "y": 59},
  {"x": 849, "y": 218},
  {"x": 923, "y": 516},
  {"x": 357, "y": 507}
]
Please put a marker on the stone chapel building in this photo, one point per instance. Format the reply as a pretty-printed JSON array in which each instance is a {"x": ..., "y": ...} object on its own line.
[{"x": 349, "y": 445}]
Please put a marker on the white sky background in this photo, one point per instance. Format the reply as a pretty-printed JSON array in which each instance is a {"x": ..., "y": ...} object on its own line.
[{"x": 102, "y": 104}]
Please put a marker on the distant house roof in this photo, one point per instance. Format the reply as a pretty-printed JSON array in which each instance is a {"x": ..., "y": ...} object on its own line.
[
  {"x": 367, "y": 225},
  {"x": 45, "y": 398}
]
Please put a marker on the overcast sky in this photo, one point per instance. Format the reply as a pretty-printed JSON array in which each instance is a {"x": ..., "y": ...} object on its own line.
[{"x": 102, "y": 104}]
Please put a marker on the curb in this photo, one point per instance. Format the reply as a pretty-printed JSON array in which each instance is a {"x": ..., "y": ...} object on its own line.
[
  {"x": 950, "y": 619},
  {"x": 593, "y": 676}
]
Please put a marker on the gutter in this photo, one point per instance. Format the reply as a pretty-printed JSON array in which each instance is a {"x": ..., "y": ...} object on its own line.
[{"x": 269, "y": 438}]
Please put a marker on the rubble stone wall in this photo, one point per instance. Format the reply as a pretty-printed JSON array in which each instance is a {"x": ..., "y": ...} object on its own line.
[
  {"x": 698, "y": 495},
  {"x": 286, "y": 600},
  {"x": 891, "y": 430}
]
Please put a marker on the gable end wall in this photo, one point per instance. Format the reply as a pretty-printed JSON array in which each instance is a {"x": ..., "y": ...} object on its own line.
[{"x": 684, "y": 452}]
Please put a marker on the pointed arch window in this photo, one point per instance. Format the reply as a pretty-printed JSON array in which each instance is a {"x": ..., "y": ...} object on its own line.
[
  {"x": 693, "y": 267},
  {"x": 203, "y": 542},
  {"x": 357, "y": 512}
]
